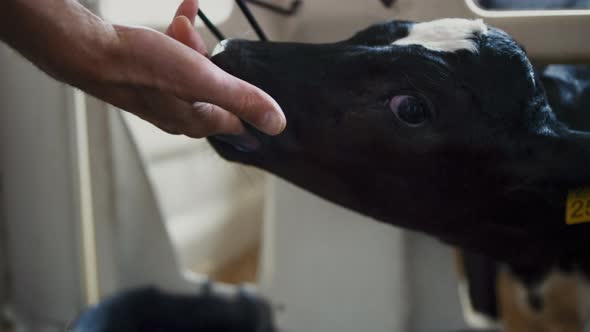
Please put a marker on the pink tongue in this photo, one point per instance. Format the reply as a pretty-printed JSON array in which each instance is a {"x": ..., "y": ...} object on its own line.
[{"x": 244, "y": 142}]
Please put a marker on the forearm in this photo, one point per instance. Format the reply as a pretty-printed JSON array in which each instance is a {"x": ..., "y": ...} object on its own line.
[{"x": 60, "y": 36}]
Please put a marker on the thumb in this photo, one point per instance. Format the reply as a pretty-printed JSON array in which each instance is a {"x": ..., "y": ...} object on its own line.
[
  {"x": 196, "y": 78},
  {"x": 246, "y": 101}
]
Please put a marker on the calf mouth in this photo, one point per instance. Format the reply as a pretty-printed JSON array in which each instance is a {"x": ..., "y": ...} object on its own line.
[
  {"x": 241, "y": 147},
  {"x": 245, "y": 148},
  {"x": 252, "y": 145}
]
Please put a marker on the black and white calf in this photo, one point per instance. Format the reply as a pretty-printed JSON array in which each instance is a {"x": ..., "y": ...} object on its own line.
[{"x": 442, "y": 127}]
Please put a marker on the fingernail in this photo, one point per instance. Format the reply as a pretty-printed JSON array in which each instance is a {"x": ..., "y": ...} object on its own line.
[{"x": 274, "y": 122}]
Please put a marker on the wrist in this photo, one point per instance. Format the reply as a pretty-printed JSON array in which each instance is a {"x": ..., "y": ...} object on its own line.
[
  {"x": 94, "y": 58},
  {"x": 89, "y": 49}
]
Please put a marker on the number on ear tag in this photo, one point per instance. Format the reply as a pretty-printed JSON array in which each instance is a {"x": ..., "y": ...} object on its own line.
[{"x": 577, "y": 209}]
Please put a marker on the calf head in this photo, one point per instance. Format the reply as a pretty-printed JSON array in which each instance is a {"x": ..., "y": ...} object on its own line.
[{"x": 441, "y": 127}]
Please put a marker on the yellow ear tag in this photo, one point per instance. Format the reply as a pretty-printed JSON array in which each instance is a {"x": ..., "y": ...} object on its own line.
[{"x": 577, "y": 209}]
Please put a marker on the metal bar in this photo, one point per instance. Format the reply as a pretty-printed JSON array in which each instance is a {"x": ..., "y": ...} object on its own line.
[
  {"x": 211, "y": 26},
  {"x": 251, "y": 20},
  {"x": 291, "y": 10},
  {"x": 84, "y": 184}
]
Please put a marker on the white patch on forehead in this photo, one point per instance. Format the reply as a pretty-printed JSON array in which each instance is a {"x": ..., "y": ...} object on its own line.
[{"x": 446, "y": 35}]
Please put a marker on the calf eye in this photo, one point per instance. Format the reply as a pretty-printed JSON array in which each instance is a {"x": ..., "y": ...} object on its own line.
[{"x": 411, "y": 110}]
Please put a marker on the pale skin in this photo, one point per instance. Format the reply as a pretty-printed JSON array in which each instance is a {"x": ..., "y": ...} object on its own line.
[{"x": 166, "y": 79}]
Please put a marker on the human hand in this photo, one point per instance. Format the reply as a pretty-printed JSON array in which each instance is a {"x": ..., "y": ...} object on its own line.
[
  {"x": 178, "y": 89},
  {"x": 140, "y": 70}
]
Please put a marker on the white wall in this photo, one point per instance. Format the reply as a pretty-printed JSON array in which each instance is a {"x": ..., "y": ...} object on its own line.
[
  {"x": 37, "y": 192},
  {"x": 332, "y": 270},
  {"x": 3, "y": 266}
]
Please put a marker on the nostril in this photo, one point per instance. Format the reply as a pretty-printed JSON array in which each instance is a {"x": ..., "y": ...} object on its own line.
[{"x": 244, "y": 142}]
